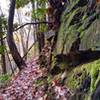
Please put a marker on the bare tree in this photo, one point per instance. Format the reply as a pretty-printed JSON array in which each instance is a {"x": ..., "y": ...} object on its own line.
[{"x": 13, "y": 49}]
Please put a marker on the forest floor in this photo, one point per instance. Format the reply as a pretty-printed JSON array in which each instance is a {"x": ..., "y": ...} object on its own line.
[{"x": 24, "y": 87}]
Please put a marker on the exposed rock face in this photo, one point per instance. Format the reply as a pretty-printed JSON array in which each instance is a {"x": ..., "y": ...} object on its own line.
[
  {"x": 79, "y": 18},
  {"x": 83, "y": 17},
  {"x": 96, "y": 94}
]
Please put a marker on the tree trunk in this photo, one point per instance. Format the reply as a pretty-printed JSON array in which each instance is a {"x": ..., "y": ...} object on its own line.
[
  {"x": 13, "y": 49},
  {"x": 3, "y": 63}
]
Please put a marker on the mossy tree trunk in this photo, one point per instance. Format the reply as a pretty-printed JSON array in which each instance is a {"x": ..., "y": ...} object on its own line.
[{"x": 3, "y": 62}]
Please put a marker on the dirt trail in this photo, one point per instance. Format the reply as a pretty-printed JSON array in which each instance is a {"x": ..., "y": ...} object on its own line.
[{"x": 23, "y": 86}]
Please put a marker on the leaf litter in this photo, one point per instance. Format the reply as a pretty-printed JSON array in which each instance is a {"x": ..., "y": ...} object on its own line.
[{"x": 24, "y": 87}]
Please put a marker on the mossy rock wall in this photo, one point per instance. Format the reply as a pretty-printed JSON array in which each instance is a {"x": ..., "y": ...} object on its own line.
[
  {"x": 87, "y": 23},
  {"x": 79, "y": 20}
]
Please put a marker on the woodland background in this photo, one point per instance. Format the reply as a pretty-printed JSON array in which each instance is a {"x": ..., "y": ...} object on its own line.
[{"x": 52, "y": 52}]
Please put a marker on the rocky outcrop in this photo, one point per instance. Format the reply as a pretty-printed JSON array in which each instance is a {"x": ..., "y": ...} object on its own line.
[{"x": 79, "y": 18}]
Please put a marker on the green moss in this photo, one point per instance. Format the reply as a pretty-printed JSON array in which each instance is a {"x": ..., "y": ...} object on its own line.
[
  {"x": 4, "y": 79},
  {"x": 78, "y": 74},
  {"x": 72, "y": 82},
  {"x": 75, "y": 78}
]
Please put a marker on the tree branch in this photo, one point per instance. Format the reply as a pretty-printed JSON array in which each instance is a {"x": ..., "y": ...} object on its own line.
[
  {"x": 32, "y": 23},
  {"x": 29, "y": 49}
]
